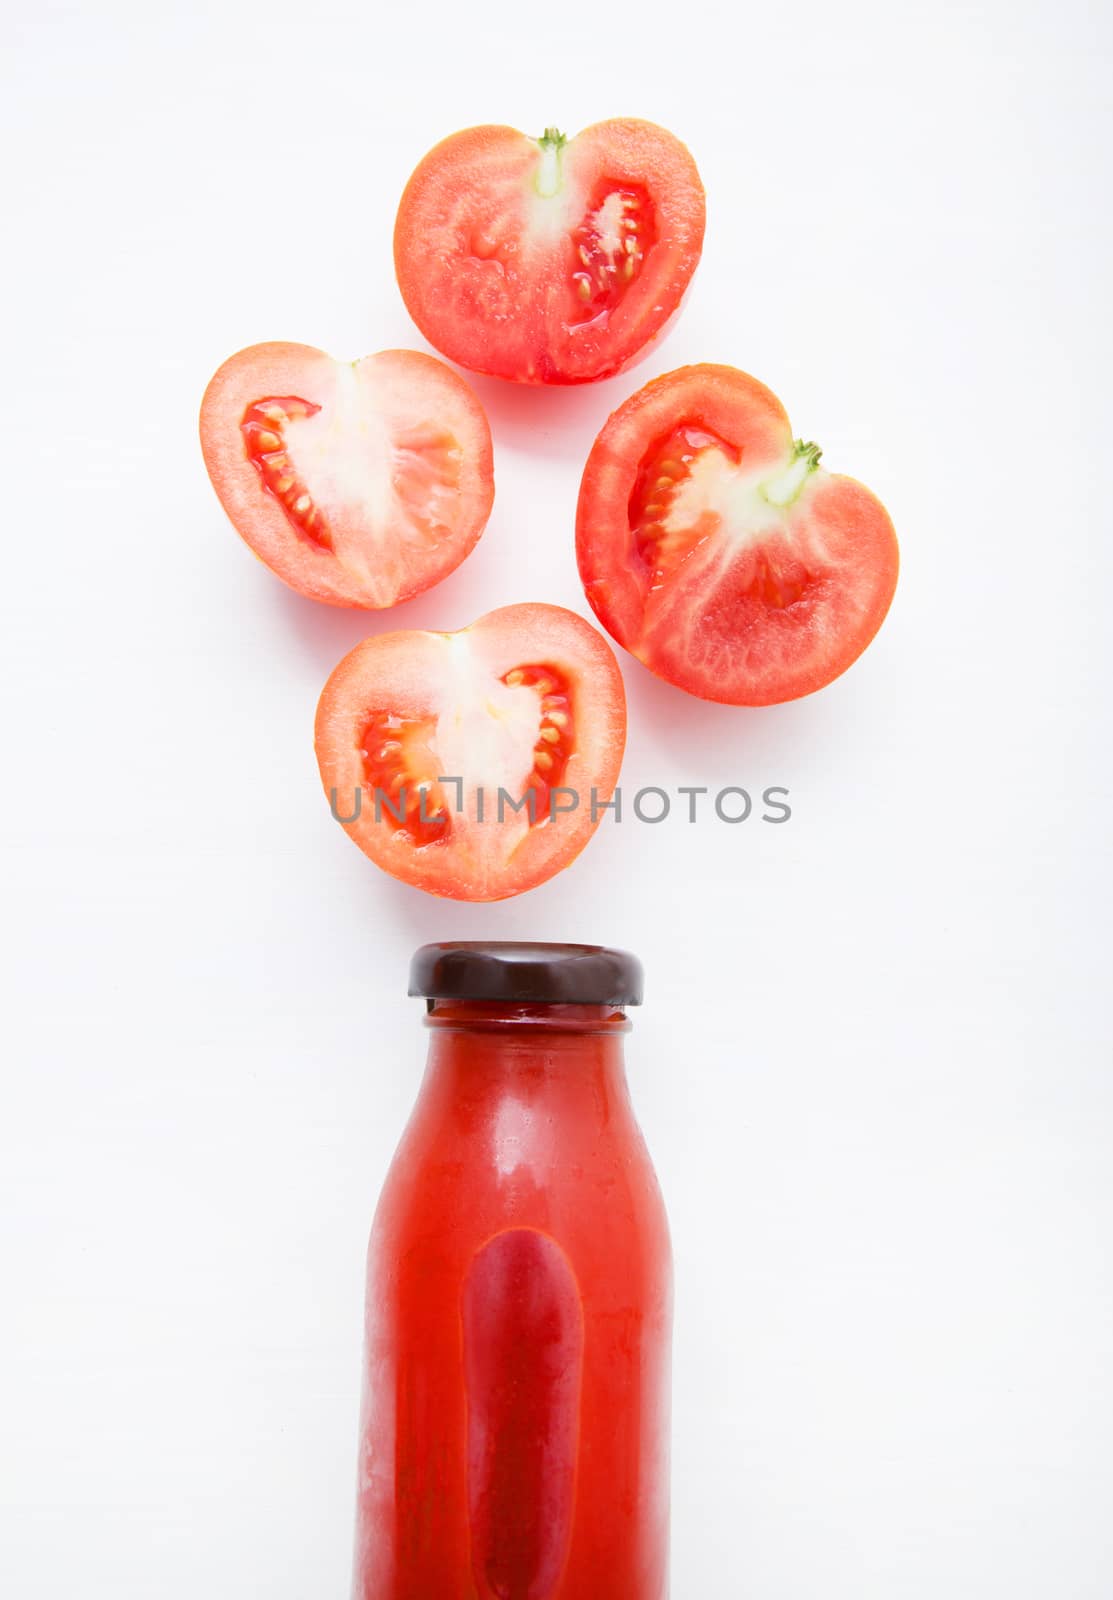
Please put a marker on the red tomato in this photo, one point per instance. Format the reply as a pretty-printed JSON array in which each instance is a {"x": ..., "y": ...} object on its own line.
[
  {"x": 719, "y": 552},
  {"x": 358, "y": 483},
  {"x": 549, "y": 260},
  {"x": 474, "y": 764}
]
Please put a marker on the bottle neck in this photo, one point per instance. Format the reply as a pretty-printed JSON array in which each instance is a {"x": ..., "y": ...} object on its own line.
[
  {"x": 512, "y": 1018},
  {"x": 558, "y": 1059}
]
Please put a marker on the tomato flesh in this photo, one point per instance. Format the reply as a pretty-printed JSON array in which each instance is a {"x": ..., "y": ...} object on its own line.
[
  {"x": 473, "y": 764},
  {"x": 549, "y": 260},
  {"x": 718, "y": 551},
  {"x": 357, "y": 483}
]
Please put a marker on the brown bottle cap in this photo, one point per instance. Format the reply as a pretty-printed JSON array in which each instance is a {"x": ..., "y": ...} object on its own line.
[{"x": 554, "y": 974}]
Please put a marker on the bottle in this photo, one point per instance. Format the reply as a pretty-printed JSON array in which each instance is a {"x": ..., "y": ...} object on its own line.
[{"x": 514, "y": 1436}]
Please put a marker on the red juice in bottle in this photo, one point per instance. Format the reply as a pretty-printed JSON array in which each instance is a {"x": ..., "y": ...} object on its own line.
[{"x": 514, "y": 1438}]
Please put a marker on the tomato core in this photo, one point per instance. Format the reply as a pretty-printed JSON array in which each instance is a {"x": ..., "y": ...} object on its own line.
[
  {"x": 667, "y": 492},
  {"x": 402, "y": 768}
]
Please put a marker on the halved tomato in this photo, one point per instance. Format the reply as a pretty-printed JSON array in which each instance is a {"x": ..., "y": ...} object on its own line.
[
  {"x": 358, "y": 483},
  {"x": 719, "y": 552},
  {"x": 549, "y": 260},
  {"x": 474, "y": 764}
]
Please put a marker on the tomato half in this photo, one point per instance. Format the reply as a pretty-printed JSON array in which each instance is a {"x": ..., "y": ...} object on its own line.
[
  {"x": 474, "y": 764},
  {"x": 549, "y": 260},
  {"x": 718, "y": 551},
  {"x": 358, "y": 483}
]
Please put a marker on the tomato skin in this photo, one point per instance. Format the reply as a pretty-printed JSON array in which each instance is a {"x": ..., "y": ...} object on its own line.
[
  {"x": 740, "y": 600},
  {"x": 490, "y": 270},
  {"x": 386, "y": 519},
  {"x": 428, "y": 682}
]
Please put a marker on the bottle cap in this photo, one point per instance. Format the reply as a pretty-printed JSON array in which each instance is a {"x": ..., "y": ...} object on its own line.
[{"x": 554, "y": 974}]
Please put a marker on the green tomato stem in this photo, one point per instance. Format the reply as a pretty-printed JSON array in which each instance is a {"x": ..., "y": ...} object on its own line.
[
  {"x": 549, "y": 180},
  {"x": 782, "y": 490}
]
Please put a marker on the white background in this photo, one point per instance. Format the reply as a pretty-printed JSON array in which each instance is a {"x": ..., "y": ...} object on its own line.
[{"x": 873, "y": 1065}]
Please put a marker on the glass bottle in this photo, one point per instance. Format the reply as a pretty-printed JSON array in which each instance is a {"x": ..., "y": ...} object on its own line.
[{"x": 514, "y": 1436}]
